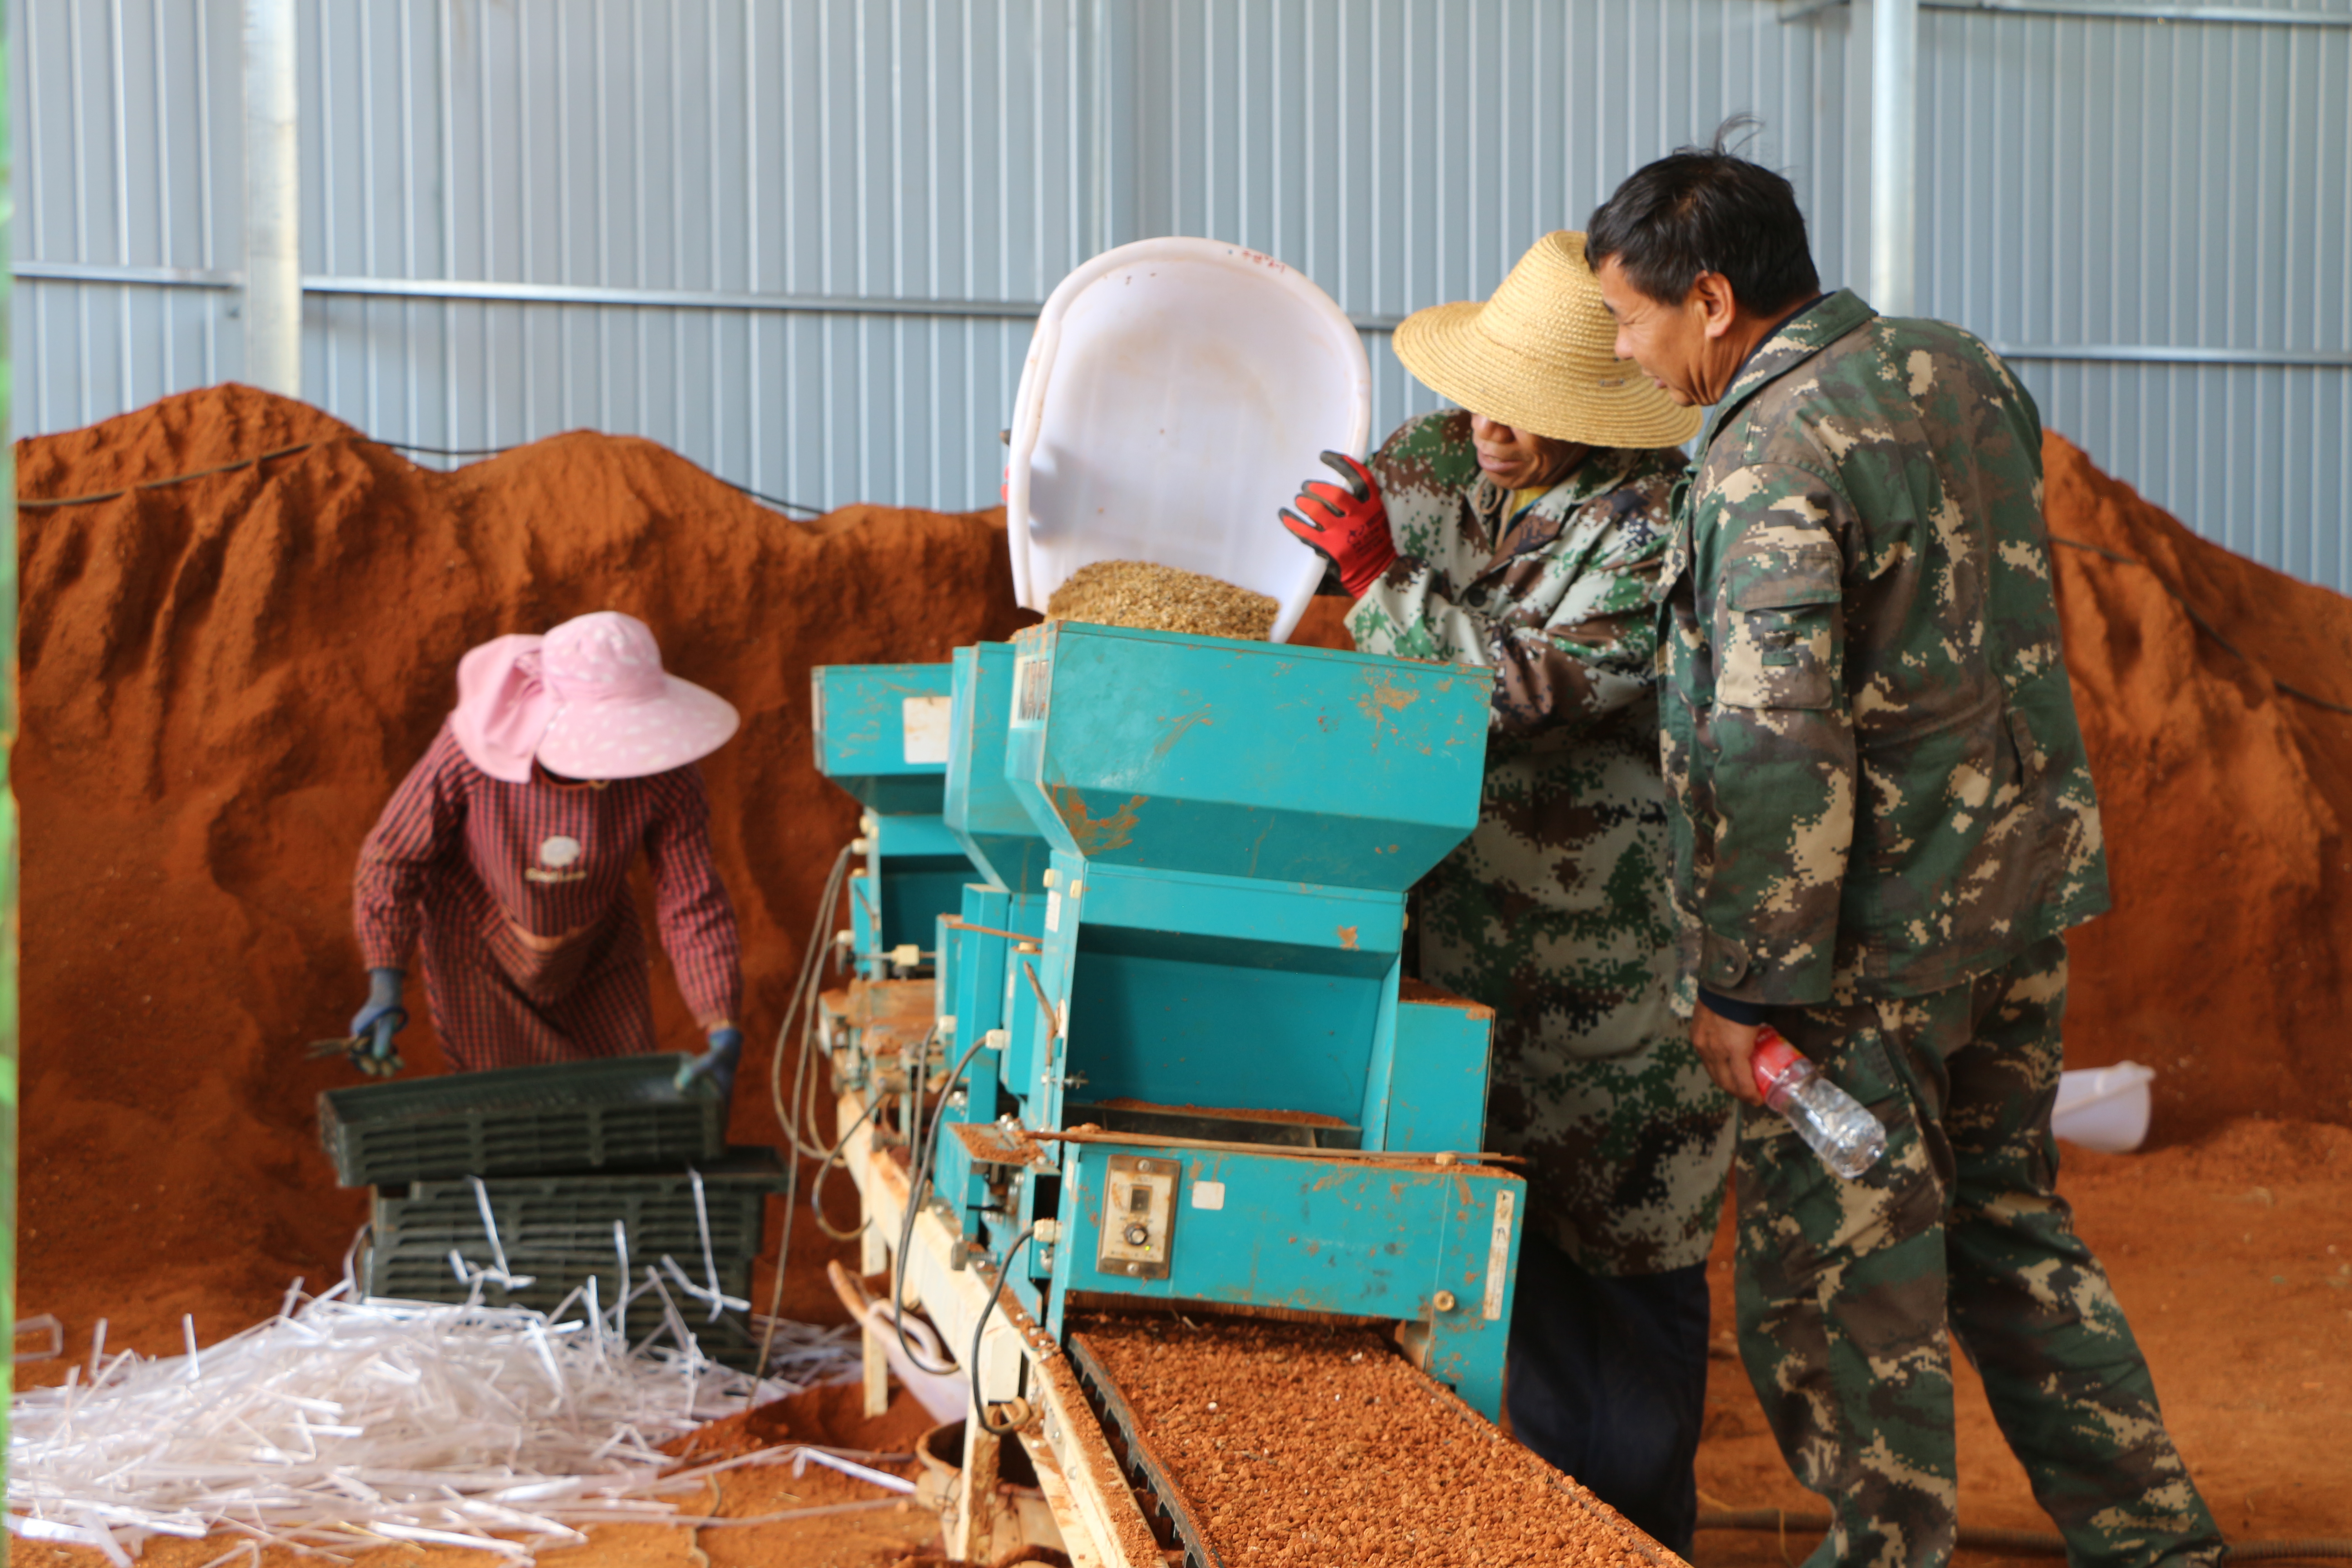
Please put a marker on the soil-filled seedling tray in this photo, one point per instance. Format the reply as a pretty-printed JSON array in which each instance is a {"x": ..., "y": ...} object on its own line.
[
  {"x": 574, "y": 1215},
  {"x": 617, "y": 1111},
  {"x": 1284, "y": 1443}
]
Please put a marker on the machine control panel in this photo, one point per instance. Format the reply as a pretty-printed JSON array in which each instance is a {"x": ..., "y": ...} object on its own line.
[{"x": 1138, "y": 1216}]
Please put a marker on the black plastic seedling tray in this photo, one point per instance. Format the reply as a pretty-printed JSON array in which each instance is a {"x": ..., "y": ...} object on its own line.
[
  {"x": 614, "y": 1112},
  {"x": 572, "y": 1216}
]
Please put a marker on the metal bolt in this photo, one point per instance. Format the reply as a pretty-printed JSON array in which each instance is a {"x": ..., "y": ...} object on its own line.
[
  {"x": 1135, "y": 1268},
  {"x": 1442, "y": 1300}
]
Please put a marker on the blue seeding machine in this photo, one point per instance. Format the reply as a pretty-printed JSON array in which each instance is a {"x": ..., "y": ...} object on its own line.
[{"x": 1168, "y": 1059}]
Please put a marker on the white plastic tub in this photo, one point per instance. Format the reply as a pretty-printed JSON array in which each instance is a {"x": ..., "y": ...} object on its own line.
[
  {"x": 1176, "y": 394},
  {"x": 2103, "y": 1109}
]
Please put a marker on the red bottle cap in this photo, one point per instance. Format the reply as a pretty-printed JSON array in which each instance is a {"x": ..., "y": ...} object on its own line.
[{"x": 1773, "y": 1058}]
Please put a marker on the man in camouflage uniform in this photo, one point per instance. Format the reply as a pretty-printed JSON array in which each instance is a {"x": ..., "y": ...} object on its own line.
[
  {"x": 1883, "y": 822},
  {"x": 1482, "y": 542}
]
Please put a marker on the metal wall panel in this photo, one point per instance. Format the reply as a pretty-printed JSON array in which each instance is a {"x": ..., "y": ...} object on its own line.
[
  {"x": 2083, "y": 181},
  {"x": 1405, "y": 152},
  {"x": 2089, "y": 182},
  {"x": 126, "y": 117}
]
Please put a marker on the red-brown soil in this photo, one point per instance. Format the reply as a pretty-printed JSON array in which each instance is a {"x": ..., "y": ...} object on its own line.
[
  {"x": 2227, "y": 963},
  {"x": 1294, "y": 1444},
  {"x": 221, "y": 682}
]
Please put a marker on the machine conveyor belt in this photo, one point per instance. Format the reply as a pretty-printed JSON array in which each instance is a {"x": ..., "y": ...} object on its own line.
[{"x": 1260, "y": 1441}]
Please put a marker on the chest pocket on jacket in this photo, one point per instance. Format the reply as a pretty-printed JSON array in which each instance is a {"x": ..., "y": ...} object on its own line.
[{"x": 1778, "y": 622}]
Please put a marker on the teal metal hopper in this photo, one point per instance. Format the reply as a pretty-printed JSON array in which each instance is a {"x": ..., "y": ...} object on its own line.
[
  {"x": 1234, "y": 828},
  {"x": 881, "y": 733}
]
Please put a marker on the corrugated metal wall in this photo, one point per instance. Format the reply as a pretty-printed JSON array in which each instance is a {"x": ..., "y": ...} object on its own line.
[
  {"x": 798, "y": 239},
  {"x": 2093, "y": 188}
]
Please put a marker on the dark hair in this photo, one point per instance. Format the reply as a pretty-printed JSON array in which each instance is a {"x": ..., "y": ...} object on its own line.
[{"x": 1707, "y": 209}]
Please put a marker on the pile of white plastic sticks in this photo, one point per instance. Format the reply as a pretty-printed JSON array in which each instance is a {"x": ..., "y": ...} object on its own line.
[{"x": 341, "y": 1424}]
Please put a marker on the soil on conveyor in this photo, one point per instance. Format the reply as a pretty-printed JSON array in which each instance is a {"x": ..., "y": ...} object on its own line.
[{"x": 1290, "y": 1444}]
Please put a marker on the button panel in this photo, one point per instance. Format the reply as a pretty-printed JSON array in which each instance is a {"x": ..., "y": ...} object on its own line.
[{"x": 1139, "y": 1218}]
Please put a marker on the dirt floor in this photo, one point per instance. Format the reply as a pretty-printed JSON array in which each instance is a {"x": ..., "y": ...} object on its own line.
[
  {"x": 2232, "y": 1255},
  {"x": 2233, "y": 1258}
]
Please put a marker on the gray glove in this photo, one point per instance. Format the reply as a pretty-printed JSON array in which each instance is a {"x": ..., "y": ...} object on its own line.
[
  {"x": 718, "y": 1063},
  {"x": 373, "y": 1025}
]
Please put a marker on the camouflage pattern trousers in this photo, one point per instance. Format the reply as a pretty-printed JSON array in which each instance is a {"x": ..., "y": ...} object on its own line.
[{"x": 1844, "y": 1289}]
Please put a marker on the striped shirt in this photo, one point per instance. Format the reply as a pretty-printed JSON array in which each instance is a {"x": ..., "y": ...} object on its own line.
[{"x": 519, "y": 896}]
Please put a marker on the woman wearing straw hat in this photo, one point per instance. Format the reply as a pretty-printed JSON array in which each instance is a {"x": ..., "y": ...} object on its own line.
[
  {"x": 1523, "y": 532},
  {"x": 506, "y": 852}
]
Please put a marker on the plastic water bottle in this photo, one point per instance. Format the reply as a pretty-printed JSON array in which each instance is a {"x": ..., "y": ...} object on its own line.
[{"x": 1848, "y": 1138}]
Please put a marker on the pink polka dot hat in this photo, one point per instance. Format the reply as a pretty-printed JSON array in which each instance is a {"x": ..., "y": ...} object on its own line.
[{"x": 588, "y": 701}]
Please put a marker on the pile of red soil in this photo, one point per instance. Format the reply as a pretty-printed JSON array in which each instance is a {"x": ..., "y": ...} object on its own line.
[
  {"x": 223, "y": 680},
  {"x": 2225, "y": 963}
]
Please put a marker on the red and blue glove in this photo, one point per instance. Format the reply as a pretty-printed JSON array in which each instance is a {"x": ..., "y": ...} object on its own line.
[{"x": 1347, "y": 525}]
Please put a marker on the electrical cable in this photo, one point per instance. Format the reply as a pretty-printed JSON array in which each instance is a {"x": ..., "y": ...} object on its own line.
[
  {"x": 38, "y": 503},
  {"x": 979, "y": 1405},
  {"x": 2198, "y": 619},
  {"x": 778, "y": 503},
  {"x": 803, "y": 1007},
  {"x": 919, "y": 1178},
  {"x": 833, "y": 1158},
  {"x": 812, "y": 958}
]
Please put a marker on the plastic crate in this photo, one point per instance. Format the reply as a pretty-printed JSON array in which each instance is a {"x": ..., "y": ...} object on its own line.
[
  {"x": 574, "y": 1216},
  {"x": 614, "y": 1112}
]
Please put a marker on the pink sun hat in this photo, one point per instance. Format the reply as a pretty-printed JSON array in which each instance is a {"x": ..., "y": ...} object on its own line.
[{"x": 588, "y": 701}]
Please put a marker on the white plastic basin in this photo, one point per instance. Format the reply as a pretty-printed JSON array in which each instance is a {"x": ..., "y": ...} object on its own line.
[
  {"x": 1176, "y": 393},
  {"x": 2103, "y": 1109}
]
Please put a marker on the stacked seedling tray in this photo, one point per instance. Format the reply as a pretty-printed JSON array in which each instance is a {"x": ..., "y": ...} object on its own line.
[{"x": 518, "y": 1186}]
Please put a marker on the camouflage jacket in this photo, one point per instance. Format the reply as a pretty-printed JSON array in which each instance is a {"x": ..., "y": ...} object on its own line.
[
  {"x": 1555, "y": 912},
  {"x": 1880, "y": 786}
]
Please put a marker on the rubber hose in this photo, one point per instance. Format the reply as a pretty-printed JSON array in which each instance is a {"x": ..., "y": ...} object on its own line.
[
  {"x": 2015, "y": 1543},
  {"x": 980, "y": 1330}
]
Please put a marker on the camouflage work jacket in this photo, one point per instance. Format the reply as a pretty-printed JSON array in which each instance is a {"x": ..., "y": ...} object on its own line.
[
  {"x": 1557, "y": 602},
  {"x": 1880, "y": 787}
]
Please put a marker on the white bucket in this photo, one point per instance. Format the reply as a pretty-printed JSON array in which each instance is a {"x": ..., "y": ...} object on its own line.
[
  {"x": 1177, "y": 394},
  {"x": 2103, "y": 1109}
]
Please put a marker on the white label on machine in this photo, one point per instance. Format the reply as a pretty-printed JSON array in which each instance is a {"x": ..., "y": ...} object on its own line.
[
  {"x": 1033, "y": 688},
  {"x": 1053, "y": 912},
  {"x": 1498, "y": 1254},
  {"x": 925, "y": 722},
  {"x": 1208, "y": 1194}
]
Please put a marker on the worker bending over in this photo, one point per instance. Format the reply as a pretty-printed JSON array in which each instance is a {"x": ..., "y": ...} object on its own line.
[
  {"x": 1522, "y": 534},
  {"x": 507, "y": 852},
  {"x": 1883, "y": 824}
]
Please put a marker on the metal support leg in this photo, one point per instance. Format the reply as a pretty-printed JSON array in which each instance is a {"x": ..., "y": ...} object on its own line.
[
  {"x": 873, "y": 1257},
  {"x": 978, "y": 1504}
]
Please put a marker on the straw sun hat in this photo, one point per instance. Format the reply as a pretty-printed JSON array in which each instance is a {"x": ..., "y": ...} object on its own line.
[{"x": 1540, "y": 356}]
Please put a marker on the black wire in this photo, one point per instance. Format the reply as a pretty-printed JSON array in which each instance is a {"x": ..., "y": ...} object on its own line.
[
  {"x": 777, "y": 502},
  {"x": 921, "y": 1178},
  {"x": 817, "y": 1188},
  {"x": 979, "y": 1406},
  {"x": 440, "y": 451},
  {"x": 2203, "y": 625}
]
